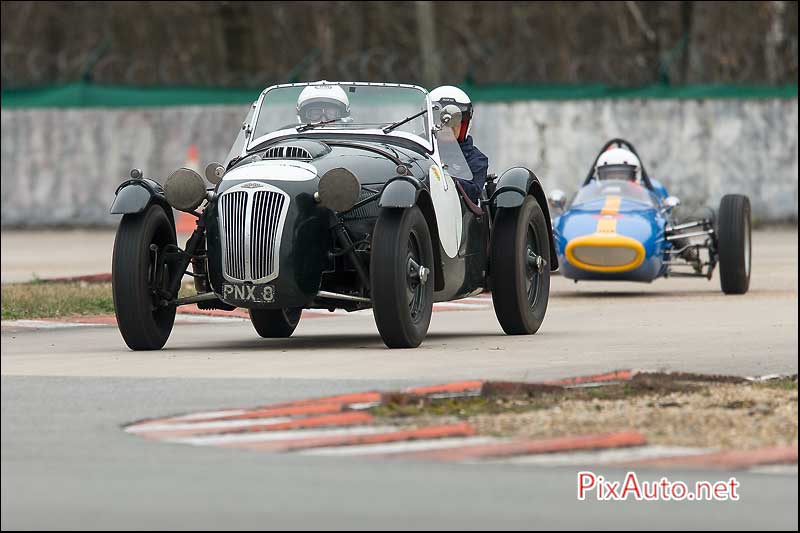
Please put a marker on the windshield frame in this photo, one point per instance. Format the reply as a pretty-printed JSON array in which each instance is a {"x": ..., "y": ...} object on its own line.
[
  {"x": 644, "y": 197},
  {"x": 425, "y": 142}
]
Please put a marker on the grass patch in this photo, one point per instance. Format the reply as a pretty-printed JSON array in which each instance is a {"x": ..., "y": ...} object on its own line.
[
  {"x": 39, "y": 299},
  {"x": 460, "y": 407},
  {"x": 55, "y": 300},
  {"x": 658, "y": 389},
  {"x": 670, "y": 409},
  {"x": 501, "y": 397},
  {"x": 788, "y": 383}
]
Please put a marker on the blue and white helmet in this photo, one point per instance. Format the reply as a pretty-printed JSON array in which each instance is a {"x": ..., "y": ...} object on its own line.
[{"x": 618, "y": 164}]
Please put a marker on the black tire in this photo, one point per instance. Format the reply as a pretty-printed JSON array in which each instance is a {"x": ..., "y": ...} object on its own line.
[
  {"x": 275, "y": 323},
  {"x": 520, "y": 286},
  {"x": 143, "y": 324},
  {"x": 402, "y": 304},
  {"x": 734, "y": 243}
]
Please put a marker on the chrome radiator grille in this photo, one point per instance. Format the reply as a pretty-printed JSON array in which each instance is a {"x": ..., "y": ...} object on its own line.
[
  {"x": 267, "y": 210},
  {"x": 232, "y": 208},
  {"x": 251, "y": 218}
]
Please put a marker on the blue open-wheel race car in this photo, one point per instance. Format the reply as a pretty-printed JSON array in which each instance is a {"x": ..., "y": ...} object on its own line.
[{"x": 621, "y": 226}]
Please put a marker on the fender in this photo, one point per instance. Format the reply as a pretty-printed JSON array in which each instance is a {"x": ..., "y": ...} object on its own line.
[
  {"x": 134, "y": 196},
  {"x": 401, "y": 191},
  {"x": 405, "y": 192},
  {"x": 512, "y": 188},
  {"x": 425, "y": 204}
]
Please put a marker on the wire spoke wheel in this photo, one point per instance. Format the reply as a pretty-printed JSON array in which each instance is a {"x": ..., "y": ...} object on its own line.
[
  {"x": 415, "y": 286},
  {"x": 520, "y": 268},
  {"x": 140, "y": 277},
  {"x": 401, "y": 277}
]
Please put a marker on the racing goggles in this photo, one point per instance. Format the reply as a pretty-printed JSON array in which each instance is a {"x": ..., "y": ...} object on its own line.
[
  {"x": 320, "y": 112},
  {"x": 617, "y": 172}
]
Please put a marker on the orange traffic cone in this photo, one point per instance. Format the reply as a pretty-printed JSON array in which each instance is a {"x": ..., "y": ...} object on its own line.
[{"x": 184, "y": 222}]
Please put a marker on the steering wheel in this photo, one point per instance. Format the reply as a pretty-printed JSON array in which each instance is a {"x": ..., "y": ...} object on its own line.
[{"x": 621, "y": 143}]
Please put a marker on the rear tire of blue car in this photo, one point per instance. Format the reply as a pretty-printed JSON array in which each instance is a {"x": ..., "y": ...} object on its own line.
[
  {"x": 734, "y": 243},
  {"x": 402, "y": 296},
  {"x": 520, "y": 281},
  {"x": 143, "y": 323}
]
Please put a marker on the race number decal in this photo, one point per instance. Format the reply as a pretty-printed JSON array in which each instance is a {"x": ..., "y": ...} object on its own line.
[{"x": 447, "y": 205}]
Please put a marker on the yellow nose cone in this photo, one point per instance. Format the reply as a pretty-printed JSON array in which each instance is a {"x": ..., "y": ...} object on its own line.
[{"x": 605, "y": 252}]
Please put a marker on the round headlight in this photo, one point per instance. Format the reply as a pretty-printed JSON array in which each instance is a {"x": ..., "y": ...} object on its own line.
[
  {"x": 185, "y": 189},
  {"x": 339, "y": 189}
]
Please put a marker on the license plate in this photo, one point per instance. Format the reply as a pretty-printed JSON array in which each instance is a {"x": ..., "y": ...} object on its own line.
[{"x": 249, "y": 293}]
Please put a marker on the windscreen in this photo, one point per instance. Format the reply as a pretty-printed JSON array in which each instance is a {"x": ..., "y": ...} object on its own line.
[
  {"x": 342, "y": 106},
  {"x": 602, "y": 188}
]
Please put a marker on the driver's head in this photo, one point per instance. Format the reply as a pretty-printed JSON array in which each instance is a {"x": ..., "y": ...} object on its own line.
[
  {"x": 446, "y": 95},
  {"x": 322, "y": 102},
  {"x": 618, "y": 164}
]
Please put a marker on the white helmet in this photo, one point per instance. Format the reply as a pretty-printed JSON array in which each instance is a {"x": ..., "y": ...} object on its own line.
[
  {"x": 322, "y": 101},
  {"x": 618, "y": 164},
  {"x": 446, "y": 95}
]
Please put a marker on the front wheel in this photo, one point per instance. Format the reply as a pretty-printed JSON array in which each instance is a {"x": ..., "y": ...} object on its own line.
[
  {"x": 733, "y": 241},
  {"x": 139, "y": 277},
  {"x": 520, "y": 268},
  {"x": 401, "y": 272},
  {"x": 275, "y": 323}
]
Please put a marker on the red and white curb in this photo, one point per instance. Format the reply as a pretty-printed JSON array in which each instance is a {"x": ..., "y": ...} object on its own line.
[
  {"x": 193, "y": 315},
  {"x": 341, "y": 426}
]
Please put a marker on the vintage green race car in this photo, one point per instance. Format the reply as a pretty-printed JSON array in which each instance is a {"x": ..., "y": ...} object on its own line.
[{"x": 327, "y": 208}]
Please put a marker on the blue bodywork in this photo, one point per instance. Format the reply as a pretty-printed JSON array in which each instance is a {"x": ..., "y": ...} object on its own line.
[
  {"x": 637, "y": 217},
  {"x": 614, "y": 229}
]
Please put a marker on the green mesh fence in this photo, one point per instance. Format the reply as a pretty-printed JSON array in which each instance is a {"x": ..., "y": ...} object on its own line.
[{"x": 88, "y": 95}]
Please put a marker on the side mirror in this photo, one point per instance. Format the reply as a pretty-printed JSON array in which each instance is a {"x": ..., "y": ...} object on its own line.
[
  {"x": 670, "y": 203},
  {"x": 451, "y": 114},
  {"x": 557, "y": 199},
  {"x": 214, "y": 173}
]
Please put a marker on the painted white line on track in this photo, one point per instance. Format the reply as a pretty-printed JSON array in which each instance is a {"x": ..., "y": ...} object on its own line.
[
  {"x": 784, "y": 470},
  {"x": 47, "y": 324},
  {"x": 472, "y": 303},
  {"x": 181, "y": 319},
  {"x": 209, "y": 414},
  {"x": 219, "y": 424},
  {"x": 591, "y": 458},
  {"x": 362, "y": 406},
  {"x": 274, "y": 436},
  {"x": 402, "y": 447}
]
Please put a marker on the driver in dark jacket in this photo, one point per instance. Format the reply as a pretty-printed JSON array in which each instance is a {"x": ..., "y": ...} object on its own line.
[{"x": 477, "y": 161}]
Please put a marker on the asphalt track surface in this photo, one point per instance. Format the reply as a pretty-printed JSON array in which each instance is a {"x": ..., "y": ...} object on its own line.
[{"x": 66, "y": 464}]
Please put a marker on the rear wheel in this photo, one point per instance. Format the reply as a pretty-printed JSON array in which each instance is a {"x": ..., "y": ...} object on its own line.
[
  {"x": 520, "y": 263},
  {"x": 138, "y": 279},
  {"x": 275, "y": 323},
  {"x": 401, "y": 272},
  {"x": 733, "y": 241}
]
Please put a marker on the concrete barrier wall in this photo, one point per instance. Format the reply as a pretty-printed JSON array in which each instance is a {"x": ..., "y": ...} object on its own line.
[{"x": 62, "y": 166}]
